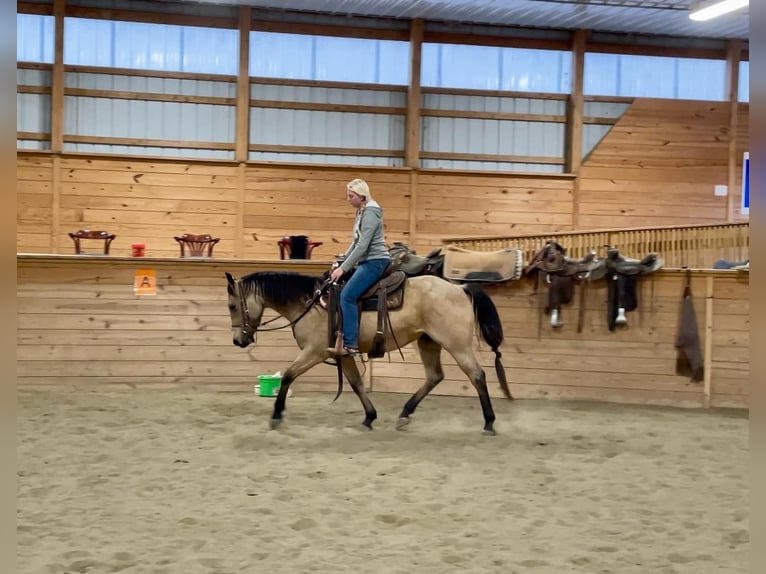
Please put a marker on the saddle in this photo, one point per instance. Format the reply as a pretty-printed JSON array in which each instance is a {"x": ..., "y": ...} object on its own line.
[
  {"x": 560, "y": 273},
  {"x": 464, "y": 265},
  {"x": 622, "y": 273},
  {"x": 405, "y": 259},
  {"x": 387, "y": 293}
]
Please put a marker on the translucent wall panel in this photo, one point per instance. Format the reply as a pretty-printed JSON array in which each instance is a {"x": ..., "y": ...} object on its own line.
[
  {"x": 34, "y": 38},
  {"x": 144, "y": 119},
  {"x": 744, "y": 82},
  {"x": 150, "y": 46},
  {"x": 492, "y": 68},
  {"x": 592, "y": 134},
  {"x": 490, "y": 166},
  {"x": 654, "y": 77},
  {"x": 303, "y": 57},
  {"x": 324, "y": 159},
  {"x": 33, "y": 113},
  {"x": 340, "y": 96},
  {"x": 329, "y": 129}
]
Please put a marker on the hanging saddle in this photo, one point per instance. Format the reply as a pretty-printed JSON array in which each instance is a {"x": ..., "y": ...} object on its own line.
[
  {"x": 622, "y": 274},
  {"x": 559, "y": 272}
]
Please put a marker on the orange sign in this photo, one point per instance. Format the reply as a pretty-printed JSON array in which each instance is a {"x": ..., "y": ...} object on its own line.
[{"x": 145, "y": 282}]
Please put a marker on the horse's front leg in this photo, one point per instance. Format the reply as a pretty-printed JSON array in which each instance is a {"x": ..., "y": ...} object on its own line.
[
  {"x": 306, "y": 359},
  {"x": 355, "y": 380}
]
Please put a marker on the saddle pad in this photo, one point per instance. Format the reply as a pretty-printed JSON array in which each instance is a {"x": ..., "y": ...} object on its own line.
[{"x": 489, "y": 267}]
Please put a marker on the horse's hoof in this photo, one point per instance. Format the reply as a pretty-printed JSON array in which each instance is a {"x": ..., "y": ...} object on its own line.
[
  {"x": 489, "y": 432},
  {"x": 275, "y": 423},
  {"x": 402, "y": 422},
  {"x": 366, "y": 426}
]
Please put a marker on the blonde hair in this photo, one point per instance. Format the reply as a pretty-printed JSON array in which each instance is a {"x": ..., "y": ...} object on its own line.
[{"x": 359, "y": 187}]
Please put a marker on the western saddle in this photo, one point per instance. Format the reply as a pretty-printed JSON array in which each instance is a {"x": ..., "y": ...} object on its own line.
[
  {"x": 560, "y": 273},
  {"x": 386, "y": 294}
]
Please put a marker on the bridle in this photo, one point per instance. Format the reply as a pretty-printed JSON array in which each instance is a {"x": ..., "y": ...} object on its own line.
[{"x": 248, "y": 330}]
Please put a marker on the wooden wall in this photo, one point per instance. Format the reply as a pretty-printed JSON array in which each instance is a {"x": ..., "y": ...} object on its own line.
[
  {"x": 79, "y": 325},
  {"x": 657, "y": 166}
]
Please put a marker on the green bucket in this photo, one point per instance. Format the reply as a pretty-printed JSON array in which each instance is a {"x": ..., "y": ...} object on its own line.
[{"x": 268, "y": 385}]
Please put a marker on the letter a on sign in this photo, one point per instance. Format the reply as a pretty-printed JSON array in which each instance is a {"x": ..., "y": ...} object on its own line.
[{"x": 145, "y": 282}]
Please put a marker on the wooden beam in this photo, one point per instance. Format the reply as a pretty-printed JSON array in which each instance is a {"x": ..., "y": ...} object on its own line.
[
  {"x": 327, "y": 84},
  {"x": 239, "y": 224},
  {"x": 575, "y": 111},
  {"x": 510, "y": 116},
  {"x": 733, "y": 54},
  {"x": 492, "y": 157},
  {"x": 498, "y": 41},
  {"x": 413, "y": 227},
  {"x": 412, "y": 138},
  {"x": 321, "y": 150},
  {"x": 575, "y": 114},
  {"x": 150, "y": 17},
  {"x": 666, "y": 51},
  {"x": 30, "y": 8},
  {"x": 243, "y": 85},
  {"x": 55, "y": 203},
  {"x": 494, "y": 93},
  {"x": 147, "y": 142},
  {"x": 329, "y": 30},
  {"x": 57, "y": 78},
  {"x": 228, "y": 78},
  {"x": 322, "y": 107},
  {"x": 707, "y": 358},
  {"x": 150, "y": 96}
]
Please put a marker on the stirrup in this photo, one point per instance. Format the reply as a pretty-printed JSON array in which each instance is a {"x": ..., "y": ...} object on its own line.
[
  {"x": 621, "y": 319},
  {"x": 346, "y": 352}
]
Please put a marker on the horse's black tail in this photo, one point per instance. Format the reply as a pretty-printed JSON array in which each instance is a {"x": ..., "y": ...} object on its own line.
[{"x": 491, "y": 328}]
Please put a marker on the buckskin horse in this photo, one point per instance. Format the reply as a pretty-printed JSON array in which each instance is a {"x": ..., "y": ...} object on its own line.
[{"x": 434, "y": 313}]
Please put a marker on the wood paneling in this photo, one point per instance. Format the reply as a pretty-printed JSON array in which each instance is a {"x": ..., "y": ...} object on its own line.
[
  {"x": 79, "y": 324},
  {"x": 657, "y": 166}
]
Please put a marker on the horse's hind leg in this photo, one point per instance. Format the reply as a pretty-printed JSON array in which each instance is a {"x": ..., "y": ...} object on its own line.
[
  {"x": 430, "y": 354},
  {"x": 470, "y": 366},
  {"x": 355, "y": 380}
]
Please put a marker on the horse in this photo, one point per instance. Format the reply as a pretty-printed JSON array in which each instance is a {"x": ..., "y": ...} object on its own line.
[{"x": 435, "y": 313}]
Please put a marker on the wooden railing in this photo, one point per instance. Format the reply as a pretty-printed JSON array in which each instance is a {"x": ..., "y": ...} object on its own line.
[{"x": 697, "y": 246}]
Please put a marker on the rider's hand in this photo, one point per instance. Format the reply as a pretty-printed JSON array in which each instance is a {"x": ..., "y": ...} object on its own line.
[{"x": 336, "y": 274}]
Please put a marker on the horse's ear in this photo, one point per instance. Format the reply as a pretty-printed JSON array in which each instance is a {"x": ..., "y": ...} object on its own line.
[{"x": 229, "y": 278}]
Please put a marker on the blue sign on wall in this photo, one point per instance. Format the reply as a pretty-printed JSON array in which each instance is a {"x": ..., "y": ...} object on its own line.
[{"x": 746, "y": 184}]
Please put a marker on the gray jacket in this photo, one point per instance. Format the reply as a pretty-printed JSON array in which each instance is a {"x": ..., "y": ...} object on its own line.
[{"x": 368, "y": 241}]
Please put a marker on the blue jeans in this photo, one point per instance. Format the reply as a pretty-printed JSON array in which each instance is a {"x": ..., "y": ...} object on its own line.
[{"x": 366, "y": 274}]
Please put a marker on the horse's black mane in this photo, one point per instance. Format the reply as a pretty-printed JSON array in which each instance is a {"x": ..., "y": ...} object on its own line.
[{"x": 281, "y": 287}]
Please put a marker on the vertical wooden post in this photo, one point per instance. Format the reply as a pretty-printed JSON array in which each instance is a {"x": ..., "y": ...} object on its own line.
[
  {"x": 708, "y": 352},
  {"x": 413, "y": 227},
  {"x": 733, "y": 55},
  {"x": 574, "y": 119},
  {"x": 55, "y": 203},
  {"x": 57, "y": 78},
  {"x": 239, "y": 223},
  {"x": 243, "y": 86},
  {"x": 412, "y": 143}
]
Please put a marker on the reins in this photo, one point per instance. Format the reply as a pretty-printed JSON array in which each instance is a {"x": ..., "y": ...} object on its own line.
[{"x": 246, "y": 314}]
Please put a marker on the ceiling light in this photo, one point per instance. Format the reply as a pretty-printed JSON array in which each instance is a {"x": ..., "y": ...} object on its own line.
[{"x": 717, "y": 9}]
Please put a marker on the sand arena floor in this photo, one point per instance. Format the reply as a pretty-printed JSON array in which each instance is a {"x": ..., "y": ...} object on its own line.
[{"x": 192, "y": 481}]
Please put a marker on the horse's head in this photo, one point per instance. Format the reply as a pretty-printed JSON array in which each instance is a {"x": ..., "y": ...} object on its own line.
[{"x": 245, "y": 313}]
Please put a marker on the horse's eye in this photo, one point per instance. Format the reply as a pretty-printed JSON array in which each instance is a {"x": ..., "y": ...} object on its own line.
[{"x": 231, "y": 307}]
